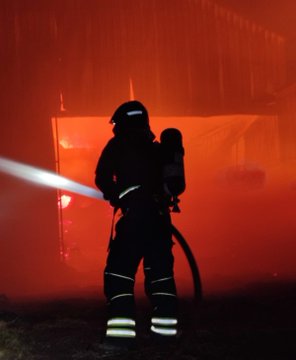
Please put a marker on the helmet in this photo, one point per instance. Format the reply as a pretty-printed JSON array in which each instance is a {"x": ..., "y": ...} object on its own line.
[{"x": 130, "y": 115}]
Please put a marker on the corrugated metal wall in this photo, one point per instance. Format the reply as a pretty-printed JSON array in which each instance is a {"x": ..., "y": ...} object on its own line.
[{"x": 188, "y": 58}]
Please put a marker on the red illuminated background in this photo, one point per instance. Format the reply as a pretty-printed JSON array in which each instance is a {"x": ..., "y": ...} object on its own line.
[{"x": 223, "y": 73}]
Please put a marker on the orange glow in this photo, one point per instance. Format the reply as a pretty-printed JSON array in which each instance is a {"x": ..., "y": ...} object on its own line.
[
  {"x": 65, "y": 201},
  {"x": 238, "y": 234},
  {"x": 191, "y": 58}
]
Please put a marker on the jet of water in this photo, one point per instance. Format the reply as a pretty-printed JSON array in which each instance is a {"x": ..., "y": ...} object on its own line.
[{"x": 46, "y": 178}]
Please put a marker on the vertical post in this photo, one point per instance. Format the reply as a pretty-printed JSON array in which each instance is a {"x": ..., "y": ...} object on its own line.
[{"x": 59, "y": 192}]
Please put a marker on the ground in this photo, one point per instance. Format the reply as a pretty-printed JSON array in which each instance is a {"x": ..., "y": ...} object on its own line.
[{"x": 256, "y": 323}]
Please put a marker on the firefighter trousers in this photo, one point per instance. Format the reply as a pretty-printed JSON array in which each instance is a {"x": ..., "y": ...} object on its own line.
[{"x": 146, "y": 235}]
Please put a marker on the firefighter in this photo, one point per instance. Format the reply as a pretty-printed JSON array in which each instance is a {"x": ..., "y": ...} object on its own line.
[{"x": 130, "y": 175}]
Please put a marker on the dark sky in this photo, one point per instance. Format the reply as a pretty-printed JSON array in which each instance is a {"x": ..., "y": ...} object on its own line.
[{"x": 276, "y": 15}]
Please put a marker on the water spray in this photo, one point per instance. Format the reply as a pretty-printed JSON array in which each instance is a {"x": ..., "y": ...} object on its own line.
[{"x": 46, "y": 178}]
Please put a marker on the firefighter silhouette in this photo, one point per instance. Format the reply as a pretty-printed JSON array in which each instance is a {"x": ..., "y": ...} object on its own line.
[{"x": 141, "y": 178}]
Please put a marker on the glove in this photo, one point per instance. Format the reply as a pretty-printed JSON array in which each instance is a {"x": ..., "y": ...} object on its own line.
[{"x": 113, "y": 199}]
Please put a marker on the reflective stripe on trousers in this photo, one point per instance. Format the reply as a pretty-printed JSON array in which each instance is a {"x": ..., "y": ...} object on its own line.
[
  {"x": 121, "y": 327},
  {"x": 166, "y": 326}
]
